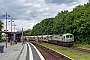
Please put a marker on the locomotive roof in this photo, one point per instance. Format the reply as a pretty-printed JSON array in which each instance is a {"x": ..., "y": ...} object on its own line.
[{"x": 67, "y": 34}]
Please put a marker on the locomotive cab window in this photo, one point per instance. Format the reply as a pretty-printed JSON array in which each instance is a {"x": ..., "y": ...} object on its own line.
[{"x": 69, "y": 36}]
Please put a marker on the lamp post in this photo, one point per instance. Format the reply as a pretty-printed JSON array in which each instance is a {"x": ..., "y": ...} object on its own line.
[
  {"x": 14, "y": 35},
  {"x": 11, "y": 27},
  {"x": 11, "y": 24},
  {"x": 22, "y": 37},
  {"x": 6, "y": 15},
  {"x": 14, "y": 26}
]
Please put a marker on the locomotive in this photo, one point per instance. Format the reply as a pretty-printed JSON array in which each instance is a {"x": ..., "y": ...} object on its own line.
[{"x": 60, "y": 39}]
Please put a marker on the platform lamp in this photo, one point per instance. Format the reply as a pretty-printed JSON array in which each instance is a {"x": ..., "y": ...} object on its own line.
[
  {"x": 11, "y": 27},
  {"x": 6, "y": 15},
  {"x": 14, "y": 26},
  {"x": 14, "y": 32}
]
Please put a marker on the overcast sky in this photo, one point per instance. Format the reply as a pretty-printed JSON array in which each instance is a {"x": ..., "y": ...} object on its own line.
[{"x": 26, "y": 13}]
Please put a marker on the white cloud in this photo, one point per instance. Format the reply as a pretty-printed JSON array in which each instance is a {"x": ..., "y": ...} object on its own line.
[
  {"x": 25, "y": 24},
  {"x": 27, "y": 13}
]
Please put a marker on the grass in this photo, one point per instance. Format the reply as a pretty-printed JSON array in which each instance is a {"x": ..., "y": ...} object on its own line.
[
  {"x": 72, "y": 54},
  {"x": 82, "y": 46}
]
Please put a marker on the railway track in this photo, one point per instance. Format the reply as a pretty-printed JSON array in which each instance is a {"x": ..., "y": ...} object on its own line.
[
  {"x": 80, "y": 50},
  {"x": 50, "y": 54}
]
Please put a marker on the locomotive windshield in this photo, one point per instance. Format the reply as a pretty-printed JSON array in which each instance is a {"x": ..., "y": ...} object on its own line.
[{"x": 69, "y": 36}]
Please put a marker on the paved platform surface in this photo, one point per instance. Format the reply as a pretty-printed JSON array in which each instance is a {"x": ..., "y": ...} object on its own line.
[
  {"x": 18, "y": 51},
  {"x": 13, "y": 52}
]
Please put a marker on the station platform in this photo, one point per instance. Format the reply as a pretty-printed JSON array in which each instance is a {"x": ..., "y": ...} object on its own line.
[
  {"x": 20, "y": 51},
  {"x": 12, "y": 52}
]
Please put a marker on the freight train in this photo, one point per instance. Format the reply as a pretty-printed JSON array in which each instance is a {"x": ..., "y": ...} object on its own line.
[{"x": 60, "y": 39}]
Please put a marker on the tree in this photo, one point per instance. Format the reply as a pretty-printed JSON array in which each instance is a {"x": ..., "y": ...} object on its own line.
[
  {"x": 76, "y": 22},
  {"x": 0, "y": 28}
]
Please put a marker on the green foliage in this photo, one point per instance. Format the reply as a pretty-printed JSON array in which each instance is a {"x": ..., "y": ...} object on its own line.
[
  {"x": 0, "y": 28},
  {"x": 29, "y": 33},
  {"x": 76, "y": 22}
]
